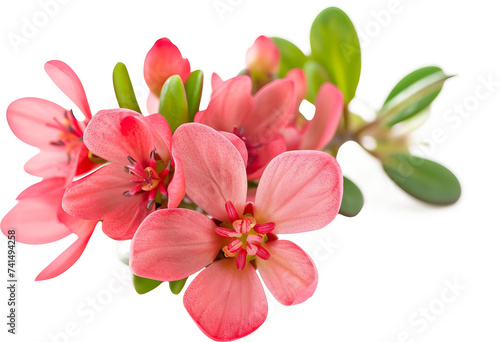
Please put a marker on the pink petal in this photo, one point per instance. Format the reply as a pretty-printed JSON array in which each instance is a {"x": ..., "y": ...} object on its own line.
[
  {"x": 213, "y": 169},
  {"x": 263, "y": 56},
  {"x": 300, "y": 84},
  {"x": 321, "y": 129},
  {"x": 162, "y": 61},
  {"x": 173, "y": 244},
  {"x": 153, "y": 103},
  {"x": 238, "y": 143},
  {"x": 230, "y": 103},
  {"x": 48, "y": 164},
  {"x": 216, "y": 82},
  {"x": 66, "y": 80},
  {"x": 99, "y": 196},
  {"x": 299, "y": 191},
  {"x": 292, "y": 137},
  {"x": 273, "y": 107},
  {"x": 35, "y": 216},
  {"x": 28, "y": 115},
  {"x": 226, "y": 303},
  {"x": 177, "y": 187},
  {"x": 289, "y": 273},
  {"x": 118, "y": 133},
  {"x": 64, "y": 261},
  {"x": 162, "y": 134}
]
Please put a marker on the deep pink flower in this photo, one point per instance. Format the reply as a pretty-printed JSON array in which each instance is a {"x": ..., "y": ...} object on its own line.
[
  {"x": 316, "y": 133},
  {"x": 299, "y": 191},
  {"x": 162, "y": 61},
  {"x": 256, "y": 119},
  {"x": 143, "y": 174},
  {"x": 53, "y": 129},
  {"x": 263, "y": 57},
  {"x": 38, "y": 218}
]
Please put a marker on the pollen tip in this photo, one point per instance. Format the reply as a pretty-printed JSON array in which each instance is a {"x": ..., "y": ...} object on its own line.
[
  {"x": 127, "y": 194},
  {"x": 150, "y": 204},
  {"x": 131, "y": 160},
  {"x": 127, "y": 169}
]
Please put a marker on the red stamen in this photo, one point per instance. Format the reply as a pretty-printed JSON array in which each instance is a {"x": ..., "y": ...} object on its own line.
[{"x": 231, "y": 211}]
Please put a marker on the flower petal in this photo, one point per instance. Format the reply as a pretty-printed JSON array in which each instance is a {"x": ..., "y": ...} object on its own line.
[
  {"x": 321, "y": 129},
  {"x": 35, "y": 216},
  {"x": 162, "y": 134},
  {"x": 230, "y": 103},
  {"x": 64, "y": 261},
  {"x": 290, "y": 274},
  {"x": 273, "y": 107},
  {"x": 30, "y": 114},
  {"x": 226, "y": 303},
  {"x": 118, "y": 133},
  {"x": 99, "y": 196},
  {"x": 238, "y": 143},
  {"x": 298, "y": 77},
  {"x": 299, "y": 191},
  {"x": 216, "y": 82},
  {"x": 65, "y": 79},
  {"x": 173, "y": 244},
  {"x": 162, "y": 61},
  {"x": 48, "y": 164},
  {"x": 261, "y": 156},
  {"x": 153, "y": 103},
  {"x": 213, "y": 169}
]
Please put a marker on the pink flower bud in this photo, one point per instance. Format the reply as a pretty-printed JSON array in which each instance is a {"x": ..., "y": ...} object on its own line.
[{"x": 263, "y": 56}]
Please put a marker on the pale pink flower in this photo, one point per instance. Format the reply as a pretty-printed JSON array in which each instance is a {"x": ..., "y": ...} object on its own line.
[
  {"x": 256, "y": 119},
  {"x": 263, "y": 57},
  {"x": 143, "y": 175},
  {"x": 53, "y": 129},
  {"x": 299, "y": 191}
]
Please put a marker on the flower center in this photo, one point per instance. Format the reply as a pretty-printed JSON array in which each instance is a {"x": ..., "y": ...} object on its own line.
[
  {"x": 152, "y": 178},
  {"x": 247, "y": 236},
  {"x": 253, "y": 155},
  {"x": 71, "y": 133}
]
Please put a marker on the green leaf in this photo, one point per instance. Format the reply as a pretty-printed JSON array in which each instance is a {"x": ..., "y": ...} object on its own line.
[
  {"x": 423, "y": 179},
  {"x": 177, "y": 285},
  {"x": 335, "y": 45},
  {"x": 290, "y": 56},
  {"x": 173, "y": 102},
  {"x": 144, "y": 285},
  {"x": 352, "y": 201},
  {"x": 413, "y": 93},
  {"x": 194, "y": 88},
  {"x": 316, "y": 75},
  {"x": 123, "y": 88}
]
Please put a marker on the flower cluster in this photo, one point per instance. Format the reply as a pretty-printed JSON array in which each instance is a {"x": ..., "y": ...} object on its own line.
[{"x": 211, "y": 189}]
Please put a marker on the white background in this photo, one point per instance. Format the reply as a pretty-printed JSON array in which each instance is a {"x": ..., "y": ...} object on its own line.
[{"x": 376, "y": 270}]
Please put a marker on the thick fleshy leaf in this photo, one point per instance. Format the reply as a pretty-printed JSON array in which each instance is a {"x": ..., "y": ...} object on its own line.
[
  {"x": 290, "y": 56},
  {"x": 213, "y": 169},
  {"x": 316, "y": 76},
  {"x": 64, "y": 261},
  {"x": 412, "y": 94},
  {"x": 145, "y": 285},
  {"x": 321, "y": 129},
  {"x": 66, "y": 80},
  {"x": 117, "y": 134},
  {"x": 335, "y": 45},
  {"x": 226, "y": 303},
  {"x": 124, "y": 91},
  {"x": 172, "y": 244},
  {"x": 30, "y": 114},
  {"x": 194, "y": 88},
  {"x": 299, "y": 191},
  {"x": 289, "y": 273},
  {"x": 352, "y": 201},
  {"x": 176, "y": 286},
  {"x": 273, "y": 107},
  {"x": 99, "y": 196},
  {"x": 173, "y": 102},
  {"x": 423, "y": 179},
  {"x": 230, "y": 103},
  {"x": 35, "y": 218},
  {"x": 162, "y": 61}
]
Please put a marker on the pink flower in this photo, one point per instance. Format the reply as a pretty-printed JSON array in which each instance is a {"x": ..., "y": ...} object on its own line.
[
  {"x": 316, "y": 133},
  {"x": 162, "y": 61},
  {"x": 38, "y": 218},
  {"x": 263, "y": 57},
  {"x": 53, "y": 129},
  {"x": 143, "y": 175},
  {"x": 256, "y": 119},
  {"x": 299, "y": 191}
]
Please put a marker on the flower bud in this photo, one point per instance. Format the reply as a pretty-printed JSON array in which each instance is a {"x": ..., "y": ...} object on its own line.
[{"x": 263, "y": 56}]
